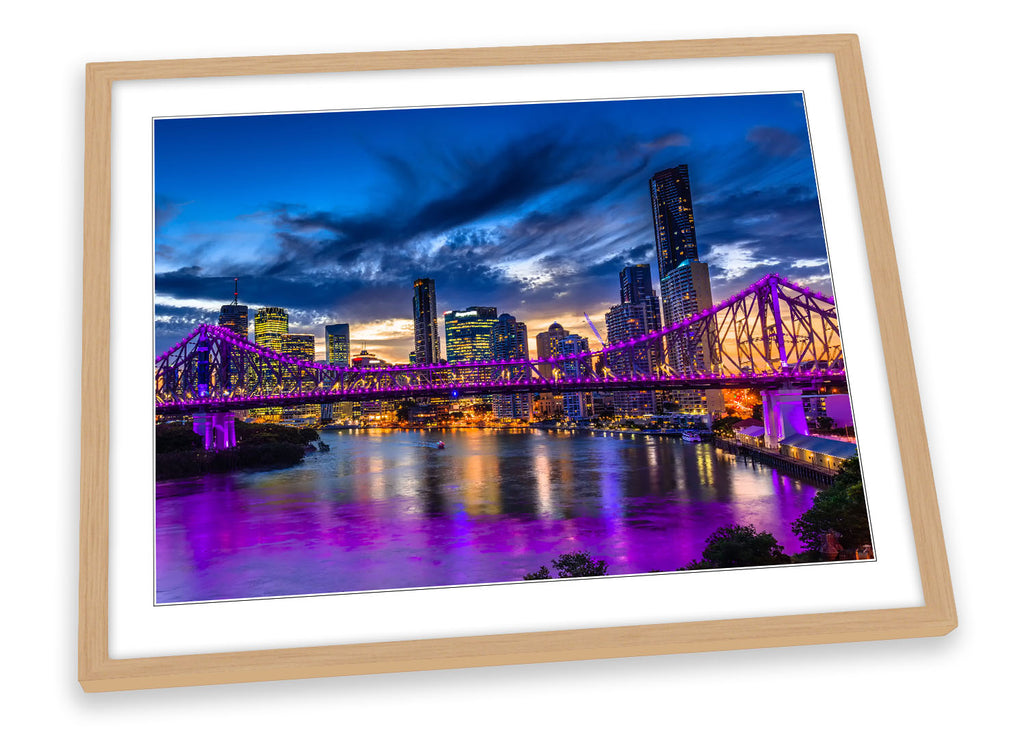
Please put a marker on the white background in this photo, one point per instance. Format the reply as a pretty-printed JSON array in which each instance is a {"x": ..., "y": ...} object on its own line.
[{"x": 942, "y": 84}]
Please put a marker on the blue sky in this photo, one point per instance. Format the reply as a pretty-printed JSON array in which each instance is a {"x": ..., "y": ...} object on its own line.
[{"x": 532, "y": 209}]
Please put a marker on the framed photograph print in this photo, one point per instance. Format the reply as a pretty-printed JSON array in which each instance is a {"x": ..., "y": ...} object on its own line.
[{"x": 437, "y": 359}]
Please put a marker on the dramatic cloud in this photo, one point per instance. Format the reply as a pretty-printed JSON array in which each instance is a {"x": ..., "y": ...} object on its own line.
[{"x": 775, "y": 141}]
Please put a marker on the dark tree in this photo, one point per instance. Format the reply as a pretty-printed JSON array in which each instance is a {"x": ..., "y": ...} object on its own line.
[
  {"x": 839, "y": 510},
  {"x": 724, "y": 425},
  {"x": 571, "y": 565},
  {"x": 739, "y": 546},
  {"x": 176, "y": 437}
]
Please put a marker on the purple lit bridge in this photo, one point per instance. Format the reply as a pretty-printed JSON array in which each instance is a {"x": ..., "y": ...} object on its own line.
[{"x": 774, "y": 336}]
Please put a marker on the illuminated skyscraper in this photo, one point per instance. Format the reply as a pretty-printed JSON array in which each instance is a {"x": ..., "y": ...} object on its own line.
[
  {"x": 509, "y": 344},
  {"x": 635, "y": 284},
  {"x": 269, "y": 324},
  {"x": 337, "y": 350},
  {"x": 424, "y": 315},
  {"x": 337, "y": 346},
  {"x": 468, "y": 338},
  {"x": 299, "y": 345},
  {"x": 675, "y": 239},
  {"x": 685, "y": 284}
]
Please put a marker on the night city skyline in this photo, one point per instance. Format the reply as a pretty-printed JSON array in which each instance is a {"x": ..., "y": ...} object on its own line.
[{"x": 533, "y": 209}]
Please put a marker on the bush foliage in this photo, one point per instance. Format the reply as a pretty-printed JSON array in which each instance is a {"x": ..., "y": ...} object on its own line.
[
  {"x": 839, "y": 510},
  {"x": 739, "y": 546},
  {"x": 578, "y": 564}
]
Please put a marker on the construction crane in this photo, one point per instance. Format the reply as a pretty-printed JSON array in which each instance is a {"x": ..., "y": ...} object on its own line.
[{"x": 591, "y": 324}]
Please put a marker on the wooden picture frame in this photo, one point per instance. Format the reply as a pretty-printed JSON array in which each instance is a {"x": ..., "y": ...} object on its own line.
[{"x": 98, "y": 671}]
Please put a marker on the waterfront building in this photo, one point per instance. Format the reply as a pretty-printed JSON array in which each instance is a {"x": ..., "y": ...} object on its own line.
[
  {"x": 509, "y": 343},
  {"x": 269, "y": 324},
  {"x": 822, "y": 452},
  {"x": 546, "y": 406},
  {"x": 750, "y": 432},
  {"x": 577, "y": 405},
  {"x": 468, "y": 339}
]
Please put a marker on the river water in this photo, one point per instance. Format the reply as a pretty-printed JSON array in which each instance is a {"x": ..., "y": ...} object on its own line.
[{"x": 385, "y": 509}]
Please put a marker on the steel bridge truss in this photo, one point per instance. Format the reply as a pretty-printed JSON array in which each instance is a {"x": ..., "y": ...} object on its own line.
[{"x": 772, "y": 334}]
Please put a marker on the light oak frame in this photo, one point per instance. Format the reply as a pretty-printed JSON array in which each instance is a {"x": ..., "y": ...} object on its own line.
[{"x": 98, "y": 672}]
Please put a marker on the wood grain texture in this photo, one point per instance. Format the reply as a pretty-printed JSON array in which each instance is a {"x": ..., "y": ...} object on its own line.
[{"x": 98, "y": 672}]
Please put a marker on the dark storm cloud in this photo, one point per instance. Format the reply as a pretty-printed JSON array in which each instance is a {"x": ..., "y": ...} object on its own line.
[
  {"x": 166, "y": 209},
  {"x": 478, "y": 187},
  {"x": 769, "y": 230},
  {"x": 174, "y": 323},
  {"x": 775, "y": 141}
]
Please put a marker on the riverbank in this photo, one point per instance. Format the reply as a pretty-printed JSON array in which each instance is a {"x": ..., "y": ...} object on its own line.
[
  {"x": 261, "y": 447},
  {"x": 706, "y": 435},
  {"x": 821, "y": 477}
]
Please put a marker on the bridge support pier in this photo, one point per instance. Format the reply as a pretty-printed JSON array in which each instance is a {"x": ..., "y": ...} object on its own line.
[
  {"x": 783, "y": 415},
  {"x": 216, "y": 428}
]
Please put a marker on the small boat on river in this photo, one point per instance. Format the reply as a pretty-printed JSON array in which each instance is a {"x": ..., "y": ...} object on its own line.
[{"x": 440, "y": 445}]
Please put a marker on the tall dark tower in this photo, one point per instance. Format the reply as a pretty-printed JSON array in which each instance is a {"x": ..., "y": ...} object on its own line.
[
  {"x": 424, "y": 315},
  {"x": 685, "y": 286},
  {"x": 672, "y": 207},
  {"x": 635, "y": 284},
  {"x": 235, "y": 317}
]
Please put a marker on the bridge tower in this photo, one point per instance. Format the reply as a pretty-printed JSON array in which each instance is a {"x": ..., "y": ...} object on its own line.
[
  {"x": 217, "y": 429},
  {"x": 783, "y": 415}
]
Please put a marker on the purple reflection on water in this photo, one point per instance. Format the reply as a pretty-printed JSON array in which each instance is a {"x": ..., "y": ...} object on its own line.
[{"x": 386, "y": 509}]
